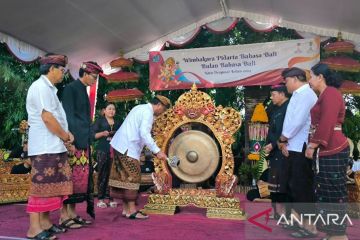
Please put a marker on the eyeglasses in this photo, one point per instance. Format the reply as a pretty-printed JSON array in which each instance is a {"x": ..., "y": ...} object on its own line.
[
  {"x": 95, "y": 76},
  {"x": 63, "y": 70}
]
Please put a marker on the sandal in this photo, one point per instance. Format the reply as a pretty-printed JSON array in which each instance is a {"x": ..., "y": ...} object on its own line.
[
  {"x": 44, "y": 235},
  {"x": 56, "y": 229},
  {"x": 81, "y": 221},
  {"x": 294, "y": 227},
  {"x": 123, "y": 213},
  {"x": 113, "y": 204},
  {"x": 101, "y": 204},
  {"x": 70, "y": 224},
  {"x": 303, "y": 233},
  {"x": 137, "y": 214}
]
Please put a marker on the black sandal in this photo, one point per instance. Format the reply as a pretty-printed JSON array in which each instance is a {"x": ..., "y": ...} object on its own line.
[
  {"x": 294, "y": 227},
  {"x": 56, "y": 229},
  {"x": 135, "y": 215},
  {"x": 81, "y": 221},
  {"x": 44, "y": 235},
  {"x": 303, "y": 233},
  {"x": 69, "y": 224}
]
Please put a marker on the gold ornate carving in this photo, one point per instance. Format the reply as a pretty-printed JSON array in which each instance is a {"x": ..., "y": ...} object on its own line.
[
  {"x": 217, "y": 207},
  {"x": 14, "y": 188},
  {"x": 197, "y": 107},
  {"x": 193, "y": 192},
  {"x": 5, "y": 167},
  {"x": 354, "y": 196},
  {"x": 354, "y": 189}
]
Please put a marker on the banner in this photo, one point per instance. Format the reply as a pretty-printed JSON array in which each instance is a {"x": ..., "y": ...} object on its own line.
[{"x": 229, "y": 66}]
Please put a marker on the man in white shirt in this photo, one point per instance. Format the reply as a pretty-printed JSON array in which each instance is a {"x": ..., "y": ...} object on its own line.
[
  {"x": 128, "y": 142},
  {"x": 51, "y": 180},
  {"x": 294, "y": 138}
]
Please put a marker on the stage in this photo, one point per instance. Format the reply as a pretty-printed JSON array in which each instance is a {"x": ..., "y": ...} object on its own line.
[{"x": 189, "y": 223}]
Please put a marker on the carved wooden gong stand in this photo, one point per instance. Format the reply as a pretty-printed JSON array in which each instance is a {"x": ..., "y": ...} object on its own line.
[{"x": 197, "y": 107}]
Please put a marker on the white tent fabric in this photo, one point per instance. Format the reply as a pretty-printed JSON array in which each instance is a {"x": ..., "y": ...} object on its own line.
[
  {"x": 23, "y": 51},
  {"x": 183, "y": 39},
  {"x": 223, "y": 24},
  {"x": 260, "y": 26}
]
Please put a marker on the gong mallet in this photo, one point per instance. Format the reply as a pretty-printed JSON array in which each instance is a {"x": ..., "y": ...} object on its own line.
[{"x": 173, "y": 161}]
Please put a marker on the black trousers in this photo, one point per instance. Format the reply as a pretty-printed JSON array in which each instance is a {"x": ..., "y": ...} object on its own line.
[
  {"x": 104, "y": 167},
  {"x": 301, "y": 182}
]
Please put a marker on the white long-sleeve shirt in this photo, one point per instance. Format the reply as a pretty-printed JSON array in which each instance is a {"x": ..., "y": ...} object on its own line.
[
  {"x": 135, "y": 132},
  {"x": 297, "y": 119}
]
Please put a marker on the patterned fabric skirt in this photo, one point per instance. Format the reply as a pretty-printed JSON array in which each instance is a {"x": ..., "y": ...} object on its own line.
[
  {"x": 331, "y": 192},
  {"x": 51, "y": 182},
  {"x": 80, "y": 166},
  {"x": 125, "y": 172}
]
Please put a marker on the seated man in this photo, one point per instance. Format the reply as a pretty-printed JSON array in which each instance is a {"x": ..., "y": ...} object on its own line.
[
  {"x": 262, "y": 194},
  {"x": 255, "y": 193},
  {"x": 19, "y": 152},
  {"x": 22, "y": 168}
]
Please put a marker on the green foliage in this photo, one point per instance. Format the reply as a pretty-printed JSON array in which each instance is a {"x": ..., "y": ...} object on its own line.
[
  {"x": 260, "y": 165},
  {"x": 248, "y": 172},
  {"x": 15, "y": 78},
  {"x": 351, "y": 126},
  {"x": 245, "y": 174}
]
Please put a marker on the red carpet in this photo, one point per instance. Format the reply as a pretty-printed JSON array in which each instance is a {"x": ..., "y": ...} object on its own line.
[{"x": 190, "y": 223}]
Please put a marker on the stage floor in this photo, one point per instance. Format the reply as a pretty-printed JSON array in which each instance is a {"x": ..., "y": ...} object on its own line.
[{"x": 189, "y": 223}]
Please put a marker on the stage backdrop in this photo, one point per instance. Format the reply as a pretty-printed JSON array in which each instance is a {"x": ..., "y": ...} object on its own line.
[{"x": 240, "y": 65}]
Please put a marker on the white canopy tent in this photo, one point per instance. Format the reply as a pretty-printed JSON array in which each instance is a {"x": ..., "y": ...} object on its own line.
[{"x": 99, "y": 30}]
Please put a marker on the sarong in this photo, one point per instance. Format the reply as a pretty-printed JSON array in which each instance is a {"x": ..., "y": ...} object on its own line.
[
  {"x": 125, "y": 177},
  {"x": 51, "y": 182},
  {"x": 331, "y": 192}
]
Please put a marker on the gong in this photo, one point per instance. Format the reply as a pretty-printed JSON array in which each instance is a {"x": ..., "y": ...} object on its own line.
[{"x": 198, "y": 153}]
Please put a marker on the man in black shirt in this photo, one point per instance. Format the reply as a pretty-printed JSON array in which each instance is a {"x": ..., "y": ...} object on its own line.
[{"x": 76, "y": 104}]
